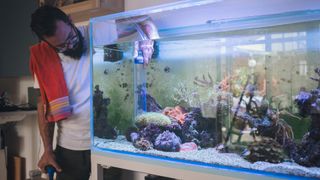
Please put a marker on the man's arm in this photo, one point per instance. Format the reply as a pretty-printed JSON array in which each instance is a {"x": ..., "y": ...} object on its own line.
[
  {"x": 131, "y": 25},
  {"x": 46, "y": 132},
  {"x": 147, "y": 31}
]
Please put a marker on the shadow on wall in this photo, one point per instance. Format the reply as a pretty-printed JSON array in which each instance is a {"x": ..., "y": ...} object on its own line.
[{"x": 17, "y": 88}]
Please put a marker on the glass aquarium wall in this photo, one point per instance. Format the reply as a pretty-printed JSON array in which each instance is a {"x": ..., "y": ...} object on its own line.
[{"x": 238, "y": 92}]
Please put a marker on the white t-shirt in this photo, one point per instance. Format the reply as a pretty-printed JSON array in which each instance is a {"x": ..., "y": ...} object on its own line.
[{"x": 74, "y": 132}]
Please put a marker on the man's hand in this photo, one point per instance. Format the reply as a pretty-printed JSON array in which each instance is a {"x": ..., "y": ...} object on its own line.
[
  {"x": 147, "y": 31},
  {"x": 48, "y": 158},
  {"x": 143, "y": 25},
  {"x": 150, "y": 32},
  {"x": 146, "y": 47}
]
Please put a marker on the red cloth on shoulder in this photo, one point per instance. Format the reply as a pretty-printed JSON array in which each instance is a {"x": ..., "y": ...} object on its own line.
[{"x": 46, "y": 65}]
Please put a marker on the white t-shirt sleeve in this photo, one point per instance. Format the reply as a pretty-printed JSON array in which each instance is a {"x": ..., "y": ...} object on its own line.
[
  {"x": 104, "y": 33},
  {"x": 36, "y": 82}
]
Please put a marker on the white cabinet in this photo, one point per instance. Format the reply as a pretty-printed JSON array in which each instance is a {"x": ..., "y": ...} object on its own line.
[{"x": 22, "y": 136}]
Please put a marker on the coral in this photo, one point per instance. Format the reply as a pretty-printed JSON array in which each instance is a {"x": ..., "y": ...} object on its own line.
[
  {"x": 207, "y": 140},
  {"x": 191, "y": 135},
  {"x": 102, "y": 127},
  {"x": 315, "y": 127},
  {"x": 143, "y": 144},
  {"x": 195, "y": 124},
  {"x": 203, "y": 82},
  {"x": 174, "y": 127},
  {"x": 182, "y": 94},
  {"x": 303, "y": 100},
  {"x": 307, "y": 153},
  {"x": 150, "y": 132},
  {"x": 268, "y": 124},
  {"x": 134, "y": 136},
  {"x": 129, "y": 131},
  {"x": 224, "y": 84},
  {"x": 190, "y": 128},
  {"x": 202, "y": 123},
  {"x": 265, "y": 150},
  {"x": 238, "y": 81},
  {"x": 152, "y": 105},
  {"x": 152, "y": 117},
  {"x": 189, "y": 132},
  {"x": 168, "y": 141},
  {"x": 190, "y": 146},
  {"x": 97, "y": 100},
  {"x": 193, "y": 117},
  {"x": 177, "y": 113},
  {"x": 309, "y": 102}
]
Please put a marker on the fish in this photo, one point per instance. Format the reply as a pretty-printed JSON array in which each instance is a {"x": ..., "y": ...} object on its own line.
[{"x": 167, "y": 69}]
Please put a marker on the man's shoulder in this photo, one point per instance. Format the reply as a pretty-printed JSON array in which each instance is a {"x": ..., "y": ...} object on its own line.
[{"x": 39, "y": 45}]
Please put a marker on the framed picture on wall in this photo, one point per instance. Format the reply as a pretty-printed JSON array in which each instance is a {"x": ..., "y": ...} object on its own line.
[{"x": 72, "y": 6}]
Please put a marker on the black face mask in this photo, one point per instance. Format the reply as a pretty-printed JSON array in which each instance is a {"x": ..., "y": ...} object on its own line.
[{"x": 78, "y": 50}]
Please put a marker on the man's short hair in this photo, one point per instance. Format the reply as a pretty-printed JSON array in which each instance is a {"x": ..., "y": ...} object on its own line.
[{"x": 43, "y": 20}]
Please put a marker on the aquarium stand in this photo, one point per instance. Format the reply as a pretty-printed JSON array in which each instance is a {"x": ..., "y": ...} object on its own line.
[{"x": 166, "y": 168}]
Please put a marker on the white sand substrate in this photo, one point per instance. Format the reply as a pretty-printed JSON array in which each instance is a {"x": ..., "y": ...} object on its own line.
[{"x": 211, "y": 156}]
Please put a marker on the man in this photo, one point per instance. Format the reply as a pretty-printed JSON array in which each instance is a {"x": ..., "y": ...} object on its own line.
[{"x": 60, "y": 66}]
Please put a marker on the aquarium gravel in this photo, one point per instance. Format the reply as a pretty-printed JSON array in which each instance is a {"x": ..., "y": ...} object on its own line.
[{"x": 211, "y": 156}]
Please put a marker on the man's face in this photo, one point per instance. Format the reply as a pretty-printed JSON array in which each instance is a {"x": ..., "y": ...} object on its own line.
[{"x": 67, "y": 40}]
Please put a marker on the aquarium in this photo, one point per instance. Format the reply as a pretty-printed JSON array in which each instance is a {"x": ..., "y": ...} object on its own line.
[{"x": 241, "y": 92}]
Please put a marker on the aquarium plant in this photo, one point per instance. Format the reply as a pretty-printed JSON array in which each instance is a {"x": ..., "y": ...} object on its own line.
[{"x": 307, "y": 152}]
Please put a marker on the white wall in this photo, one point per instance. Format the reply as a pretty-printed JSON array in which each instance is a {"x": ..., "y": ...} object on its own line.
[{"x": 17, "y": 88}]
